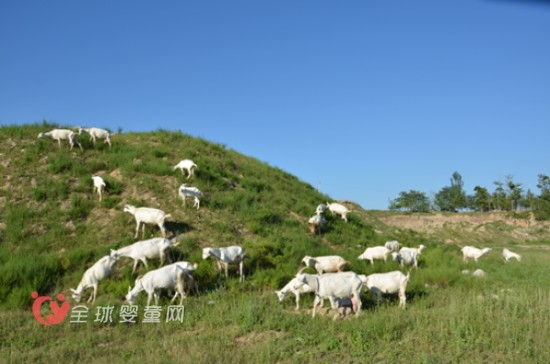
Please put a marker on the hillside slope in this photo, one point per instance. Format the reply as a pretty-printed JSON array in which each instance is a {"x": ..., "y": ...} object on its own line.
[{"x": 52, "y": 228}]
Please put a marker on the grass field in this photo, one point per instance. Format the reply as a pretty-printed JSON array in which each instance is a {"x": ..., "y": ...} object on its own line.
[{"x": 52, "y": 229}]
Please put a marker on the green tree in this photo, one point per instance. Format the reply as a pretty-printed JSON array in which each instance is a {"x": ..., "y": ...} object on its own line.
[
  {"x": 513, "y": 193},
  {"x": 542, "y": 209},
  {"x": 499, "y": 197},
  {"x": 481, "y": 199},
  {"x": 413, "y": 201},
  {"x": 452, "y": 198}
]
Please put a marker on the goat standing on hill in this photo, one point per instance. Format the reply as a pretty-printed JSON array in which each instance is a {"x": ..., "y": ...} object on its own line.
[
  {"x": 186, "y": 164},
  {"x": 99, "y": 186},
  {"x": 225, "y": 256},
  {"x": 61, "y": 134},
  {"x": 146, "y": 215},
  {"x": 194, "y": 192},
  {"x": 472, "y": 252},
  {"x": 93, "y": 275},
  {"x": 97, "y": 133},
  {"x": 339, "y": 209},
  {"x": 146, "y": 249}
]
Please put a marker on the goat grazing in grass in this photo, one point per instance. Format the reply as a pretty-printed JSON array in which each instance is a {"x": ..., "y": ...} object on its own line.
[
  {"x": 188, "y": 165},
  {"x": 339, "y": 209},
  {"x": 147, "y": 249},
  {"x": 97, "y": 133},
  {"x": 61, "y": 134},
  {"x": 332, "y": 286},
  {"x": 225, "y": 256},
  {"x": 93, "y": 275},
  {"x": 507, "y": 254},
  {"x": 392, "y": 246},
  {"x": 167, "y": 277},
  {"x": 408, "y": 257},
  {"x": 289, "y": 287},
  {"x": 391, "y": 282},
  {"x": 194, "y": 192},
  {"x": 99, "y": 186},
  {"x": 375, "y": 252},
  {"x": 328, "y": 263},
  {"x": 147, "y": 215},
  {"x": 472, "y": 252}
]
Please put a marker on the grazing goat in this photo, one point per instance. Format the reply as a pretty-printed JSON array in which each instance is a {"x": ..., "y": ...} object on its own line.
[
  {"x": 331, "y": 286},
  {"x": 281, "y": 294},
  {"x": 99, "y": 186},
  {"x": 186, "y": 164},
  {"x": 225, "y": 256},
  {"x": 418, "y": 250},
  {"x": 472, "y": 252},
  {"x": 168, "y": 277},
  {"x": 61, "y": 134},
  {"x": 321, "y": 209},
  {"x": 408, "y": 257},
  {"x": 194, "y": 192},
  {"x": 391, "y": 282},
  {"x": 315, "y": 223},
  {"x": 329, "y": 263},
  {"x": 392, "y": 246},
  {"x": 507, "y": 254},
  {"x": 93, "y": 275},
  {"x": 339, "y": 209},
  {"x": 146, "y": 249},
  {"x": 147, "y": 215},
  {"x": 97, "y": 133},
  {"x": 375, "y": 252},
  {"x": 189, "y": 268}
]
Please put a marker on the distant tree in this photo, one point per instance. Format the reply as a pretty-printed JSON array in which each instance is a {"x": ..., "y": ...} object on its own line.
[
  {"x": 542, "y": 209},
  {"x": 452, "y": 198},
  {"x": 481, "y": 199},
  {"x": 513, "y": 193},
  {"x": 499, "y": 197},
  {"x": 413, "y": 201}
]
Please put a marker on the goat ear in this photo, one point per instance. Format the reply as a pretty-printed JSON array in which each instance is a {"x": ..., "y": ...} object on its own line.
[
  {"x": 176, "y": 243},
  {"x": 73, "y": 290}
]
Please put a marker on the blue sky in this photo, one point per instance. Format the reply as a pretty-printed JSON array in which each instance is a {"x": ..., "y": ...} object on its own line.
[{"x": 362, "y": 99}]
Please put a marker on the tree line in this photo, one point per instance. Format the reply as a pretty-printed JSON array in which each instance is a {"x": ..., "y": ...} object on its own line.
[{"x": 507, "y": 196}]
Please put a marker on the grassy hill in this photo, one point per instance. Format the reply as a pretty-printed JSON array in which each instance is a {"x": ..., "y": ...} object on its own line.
[{"x": 52, "y": 229}]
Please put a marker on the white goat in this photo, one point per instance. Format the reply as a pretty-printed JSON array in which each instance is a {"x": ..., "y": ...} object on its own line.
[
  {"x": 408, "y": 257},
  {"x": 61, "y": 134},
  {"x": 225, "y": 256},
  {"x": 418, "y": 250},
  {"x": 321, "y": 209},
  {"x": 375, "y": 252},
  {"x": 186, "y": 164},
  {"x": 328, "y": 263},
  {"x": 168, "y": 277},
  {"x": 93, "y": 275},
  {"x": 339, "y": 209},
  {"x": 99, "y": 186},
  {"x": 146, "y": 249},
  {"x": 391, "y": 282},
  {"x": 189, "y": 268},
  {"x": 281, "y": 294},
  {"x": 507, "y": 254},
  {"x": 472, "y": 252},
  {"x": 315, "y": 223},
  {"x": 147, "y": 215},
  {"x": 194, "y": 192},
  {"x": 97, "y": 133},
  {"x": 392, "y": 246},
  {"x": 332, "y": 286}
]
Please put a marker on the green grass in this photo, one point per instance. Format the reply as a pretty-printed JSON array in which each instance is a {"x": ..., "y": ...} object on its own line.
[{"x": 52, "y": 229}]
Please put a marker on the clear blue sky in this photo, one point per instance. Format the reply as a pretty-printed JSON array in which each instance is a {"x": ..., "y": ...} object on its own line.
[{"x": 362, "y": 99}]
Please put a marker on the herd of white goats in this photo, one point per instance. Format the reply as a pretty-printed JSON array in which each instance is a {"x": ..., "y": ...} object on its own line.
[{"x": 342, "y": 289}]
